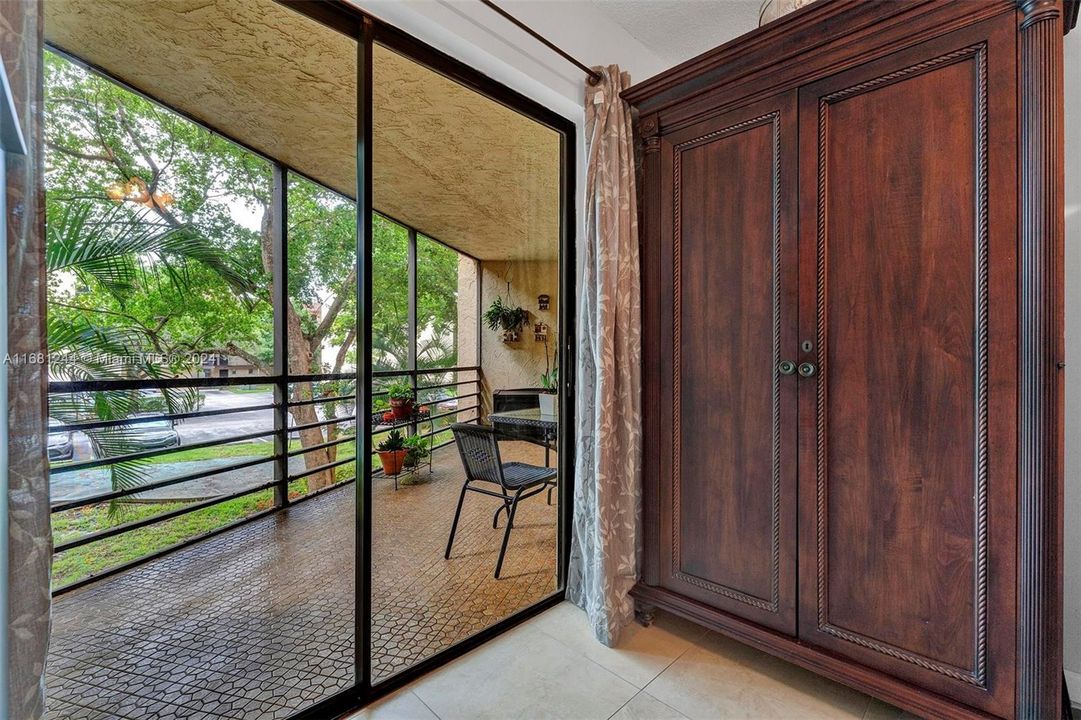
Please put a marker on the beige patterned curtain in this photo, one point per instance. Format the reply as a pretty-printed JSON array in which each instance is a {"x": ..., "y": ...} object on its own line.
[
  {"x": 29, "y": 541},
  {"x": 604, "y": 541}
]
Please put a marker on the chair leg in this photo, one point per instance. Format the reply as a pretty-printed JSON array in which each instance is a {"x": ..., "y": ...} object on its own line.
[
  {"x": 454, "y": 525},
  {"x": 550, "y": 489},
  {"x": 506, "y": 533},
  {"x": 495, "y": 518}
]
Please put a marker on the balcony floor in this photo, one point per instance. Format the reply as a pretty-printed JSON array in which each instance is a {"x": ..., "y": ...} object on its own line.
[{"x": 258, "y": 621}]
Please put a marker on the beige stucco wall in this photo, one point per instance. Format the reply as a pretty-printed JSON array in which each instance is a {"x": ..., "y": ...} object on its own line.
[{"x": 518, "y": 364}]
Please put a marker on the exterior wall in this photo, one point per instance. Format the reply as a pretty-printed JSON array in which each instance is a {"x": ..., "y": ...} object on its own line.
[{"x": 517, "y": 364}]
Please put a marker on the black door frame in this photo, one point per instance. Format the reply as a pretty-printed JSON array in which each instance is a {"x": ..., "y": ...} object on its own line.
[{"x": 367, "y": 30}]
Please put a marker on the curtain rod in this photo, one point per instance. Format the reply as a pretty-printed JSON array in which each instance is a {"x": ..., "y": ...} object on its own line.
[{"x": 594, "y": 76}]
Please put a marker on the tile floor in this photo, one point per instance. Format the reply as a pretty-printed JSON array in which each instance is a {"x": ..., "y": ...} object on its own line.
[{"x": 551, "y": 667}]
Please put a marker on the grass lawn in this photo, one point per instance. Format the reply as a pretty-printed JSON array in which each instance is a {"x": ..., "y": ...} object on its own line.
[
  {"x": 80, "y": 562},
  {"x": 248, "y": 389},
  {"x": 94, "y": 557},
  {"x": 255, "y": 448}
]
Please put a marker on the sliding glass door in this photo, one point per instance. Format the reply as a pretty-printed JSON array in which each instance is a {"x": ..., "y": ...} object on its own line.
[
  {"x": 311, "y": 320},
  {"x": 463, "y": 517}
]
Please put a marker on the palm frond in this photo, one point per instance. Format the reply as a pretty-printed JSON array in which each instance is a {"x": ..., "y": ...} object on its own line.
[{"x": 107, "y": 248}]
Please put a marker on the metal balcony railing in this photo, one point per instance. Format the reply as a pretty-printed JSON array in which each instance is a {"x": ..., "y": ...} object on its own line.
[{"x": 279, "y": 455}]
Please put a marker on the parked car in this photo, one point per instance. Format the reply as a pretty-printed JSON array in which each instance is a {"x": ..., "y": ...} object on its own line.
[
  {"x": 153, "y": 435},
  {"x": 60, "y": 445}
]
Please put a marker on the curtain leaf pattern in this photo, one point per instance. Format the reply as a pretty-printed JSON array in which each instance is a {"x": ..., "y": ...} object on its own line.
[{"x": 607, "y": 498}]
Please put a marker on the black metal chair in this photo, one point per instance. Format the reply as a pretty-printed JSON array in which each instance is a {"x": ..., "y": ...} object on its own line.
[{"x": 479, "y": 448}]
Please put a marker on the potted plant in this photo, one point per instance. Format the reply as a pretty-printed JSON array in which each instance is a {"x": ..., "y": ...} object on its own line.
[
  {"x": 401, "y": 399},
  {"x": 550, "y": 383},
  {"x": 416, "y": 447},
  {"x": 509, "y": 319},
  {"x": 392, "y": 452}
]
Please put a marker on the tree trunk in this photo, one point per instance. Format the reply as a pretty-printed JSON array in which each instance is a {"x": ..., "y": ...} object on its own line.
[{"x": 299, "y": 360}]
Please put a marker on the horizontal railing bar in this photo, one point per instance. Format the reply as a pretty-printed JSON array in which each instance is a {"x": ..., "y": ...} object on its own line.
[
  {"x": 77, "y": 386},
  {"x": 459, "y": 368},
  {"x": 136, "y": 524},
  {"x": 320, "y": 446},
  {"x": 321, "y": 468},
  {"x": 454, "y": 412},
  {"x": 308, "y": 426},
  {"x": 424, "y": 371},
  {"x": 316, "y": 401},
  {"x": 145, "y": 454},
  {"x": 446, "y": 428},
  {"x": 313, "y": 493},
  {"x": 424, "y": 418},
  {"x": 450, "y": 397},
  {"x": 446, "y": 385},
  {"x": 115, "y": 494},
  {"x": 319, "y": 377},
  {"x": 77, "y": 427}
]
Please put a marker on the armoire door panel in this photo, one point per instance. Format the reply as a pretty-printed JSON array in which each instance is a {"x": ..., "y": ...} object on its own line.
[
  {"x": 907, "y": 465},
  {"x": 729, "y": 510}
]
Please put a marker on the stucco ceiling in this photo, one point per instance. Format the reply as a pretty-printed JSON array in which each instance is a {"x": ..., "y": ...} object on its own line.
[
  {"x": 456, "y": 165},
  {"x": 677, "y": 30}
]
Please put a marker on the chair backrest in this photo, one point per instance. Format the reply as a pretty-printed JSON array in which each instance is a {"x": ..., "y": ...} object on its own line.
[{"x": 480, "y": 452}]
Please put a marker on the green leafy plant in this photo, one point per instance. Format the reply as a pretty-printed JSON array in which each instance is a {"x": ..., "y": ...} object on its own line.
[
  {"x": 392, "y": 442},
  {"x": 417, "y": 449},
  {"x": 501, "y": 316},
  {"x": 400, "y": 390}
]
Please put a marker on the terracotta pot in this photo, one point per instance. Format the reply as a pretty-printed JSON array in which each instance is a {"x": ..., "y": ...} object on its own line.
[
  {"x": 403, "y": 409},
  {"x": 392, "y": 461}
]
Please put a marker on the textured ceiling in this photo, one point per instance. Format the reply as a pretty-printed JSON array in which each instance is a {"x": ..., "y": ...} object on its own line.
[
  {"x": 454, "y": 164},
  {"x": 677, "y": 30}
]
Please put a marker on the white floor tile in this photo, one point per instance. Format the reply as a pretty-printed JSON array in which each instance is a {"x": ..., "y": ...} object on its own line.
[
  {"x": 644, "y": 706},
  {"x": 642, "y": 652},
  {"x": 721, "y": 679},
  {"x": 402, "y": 705},
  {"x": 524, "y": 674}
]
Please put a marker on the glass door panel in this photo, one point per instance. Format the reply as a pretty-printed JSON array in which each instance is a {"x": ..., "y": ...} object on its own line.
[{"x": 476, "y": 185}]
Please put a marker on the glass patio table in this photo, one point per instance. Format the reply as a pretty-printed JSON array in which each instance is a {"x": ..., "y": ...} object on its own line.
[{"x": 510, "y": 420}]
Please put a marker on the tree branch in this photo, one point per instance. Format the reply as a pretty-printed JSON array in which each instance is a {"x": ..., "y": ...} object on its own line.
[
  {"x": 339, "y": 360},
  {"x": 108, "y": 157},
  {"x": 335, "y": 308}
]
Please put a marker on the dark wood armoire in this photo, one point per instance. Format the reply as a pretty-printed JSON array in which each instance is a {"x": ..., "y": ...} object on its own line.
[{"x": 852, "y": 243}]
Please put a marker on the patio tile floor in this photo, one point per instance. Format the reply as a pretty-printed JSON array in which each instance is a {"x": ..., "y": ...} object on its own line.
[{"x": 258, "y": 622}]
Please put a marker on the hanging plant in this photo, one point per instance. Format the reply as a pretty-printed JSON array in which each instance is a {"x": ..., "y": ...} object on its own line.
[{"x": 503, "y": 317}]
